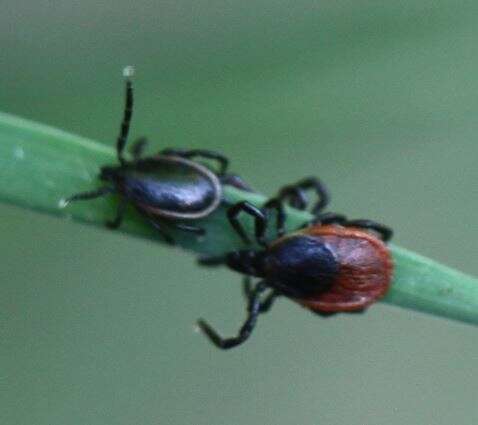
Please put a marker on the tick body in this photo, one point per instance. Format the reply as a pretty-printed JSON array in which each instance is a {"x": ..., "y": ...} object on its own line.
[
  {"x": 170, "y": 187},
  {"x": 330, "y": 269},
  {"x": 165, "y": 186},
  {"x": 333, "y": 265}
]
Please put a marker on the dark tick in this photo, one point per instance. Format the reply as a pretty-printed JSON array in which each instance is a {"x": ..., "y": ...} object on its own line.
[
  {"x": 165, "y": 187},
  {"x": 329, "y": 266}
]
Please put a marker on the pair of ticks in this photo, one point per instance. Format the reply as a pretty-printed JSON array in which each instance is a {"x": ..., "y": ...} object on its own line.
[{"x": 329, "y": 265}]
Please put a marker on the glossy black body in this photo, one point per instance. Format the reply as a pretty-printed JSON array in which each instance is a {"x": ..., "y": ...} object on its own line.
[
  {"x": 300, "y": 266},
  {"x": 167, "y": 186},
  {"x": 170, "y": 187}
]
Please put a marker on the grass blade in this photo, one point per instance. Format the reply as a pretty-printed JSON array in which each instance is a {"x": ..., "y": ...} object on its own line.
[{"x": 40, "y": 166}]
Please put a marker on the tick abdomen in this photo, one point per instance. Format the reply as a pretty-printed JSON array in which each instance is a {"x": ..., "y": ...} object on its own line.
[{"x": 364, "y": 269}]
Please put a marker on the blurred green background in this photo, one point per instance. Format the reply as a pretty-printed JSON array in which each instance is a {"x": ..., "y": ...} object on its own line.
[{"x": 378, "y": 98}]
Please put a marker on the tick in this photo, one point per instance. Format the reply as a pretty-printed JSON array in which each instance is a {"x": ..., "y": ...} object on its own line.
[
  {"x": 167, "y": 188},
  {"x": 333, "y": 265}
]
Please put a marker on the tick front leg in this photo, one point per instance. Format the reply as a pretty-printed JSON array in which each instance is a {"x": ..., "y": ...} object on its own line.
[
  {"x": 90, "y": 195},
  {"x": 266, "y": 302},
  {"x": 127, "y": 114},
  {"x": 246, "y": 329}
]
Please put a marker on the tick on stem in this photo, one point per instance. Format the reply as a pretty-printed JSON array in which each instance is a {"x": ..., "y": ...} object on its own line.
[
  {"x": 169, "y": 188},
  {"x": 333, "y": 265}
]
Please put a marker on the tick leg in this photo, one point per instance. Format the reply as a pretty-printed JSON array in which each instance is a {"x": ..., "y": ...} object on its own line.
[
  {"x": 127, "y": 114},
  {"x": 331, "y": 218},
  {"x": 297, "y": 198},
  {"x": 189, "y": 228},
  {"x": 116, "y": 222},
  {"x": 235, "y": 181},
  {"x": 200, "y": 153},
  {"x": 260, "y": 221},
  {"x": 90, "y": 195},
  {"x": 326, "y": 218},
  {"x": 385, "y": 232},
  {"x": 294, "y": 197},
  {"x": 247, "y": 287},
  {"x": 278, "y": 206},
  {"x": 247, "y": 290},
  {"x": 138, "y": 147},
  {"x": 167, "y": 238},
  {"x": 253, "y": 310},
  {"x": 267, "y": 302}
]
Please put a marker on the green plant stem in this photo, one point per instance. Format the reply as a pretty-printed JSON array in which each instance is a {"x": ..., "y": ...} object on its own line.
[{"x": 40, "y": 166}]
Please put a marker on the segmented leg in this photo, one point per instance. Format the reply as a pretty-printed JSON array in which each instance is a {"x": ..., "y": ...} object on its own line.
[
  {"x": 296, "y": 197},
  {"x": 90, "y": 195},
  {"x": 278, "y": 206},
  {"x": 235, "y": 181},
  {"x": 385, "y": 232},
  {"x": 260, "y": 222},
  {"x": 325, "y": 218},
  {"x": 331, "y": 218},
  {"x": 266, "y": 302},
  {"x": 200, "y": 153},
  {"x": 127, "y": 114},
  {"x": 253, "y": 310}
]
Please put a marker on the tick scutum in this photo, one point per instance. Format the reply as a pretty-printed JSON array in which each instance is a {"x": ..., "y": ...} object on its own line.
[{"x": 301, "y": 265}]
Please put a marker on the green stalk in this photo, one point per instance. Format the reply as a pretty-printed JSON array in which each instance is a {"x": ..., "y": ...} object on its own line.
[{"x": 41, "y": 166}]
